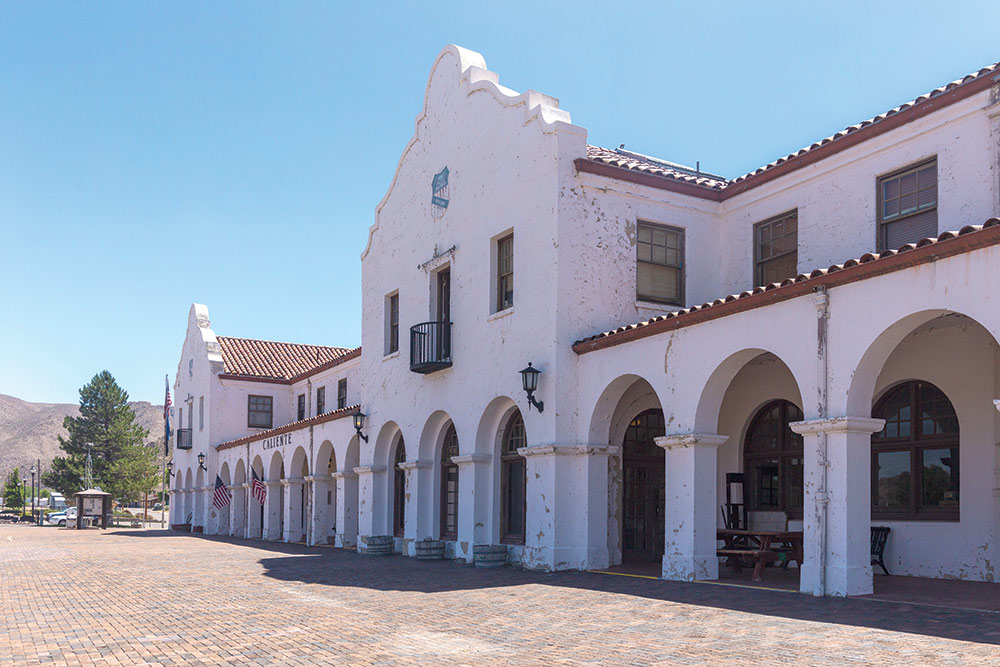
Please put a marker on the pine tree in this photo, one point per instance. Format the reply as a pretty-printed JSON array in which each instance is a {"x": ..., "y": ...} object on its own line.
[
  {"x": 107, "y": 423},
  {"x": 133, "y": 474},
  {"x": 12, "y": 496}
]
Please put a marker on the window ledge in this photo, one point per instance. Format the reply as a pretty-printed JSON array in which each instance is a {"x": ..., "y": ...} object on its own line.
[
  {"x": 500, "y": 313},
  {"x": 650, "y": 305},
  {"x": 391, "y": 355}
]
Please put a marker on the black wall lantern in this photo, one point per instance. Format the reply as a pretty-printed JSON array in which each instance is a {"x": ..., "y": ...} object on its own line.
[
  {"x": 359, "y": 423},
  {"x": 201, "y": 462},
  {"x": 529, "y": 378},
  {"x": 170, "y": 468}
]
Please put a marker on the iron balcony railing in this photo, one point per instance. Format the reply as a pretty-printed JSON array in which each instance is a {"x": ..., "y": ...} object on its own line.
[
  {"x": 430, "y": 347},
  {"x": 183, "y": 438}
]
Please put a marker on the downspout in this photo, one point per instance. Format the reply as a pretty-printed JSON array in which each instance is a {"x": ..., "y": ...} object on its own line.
[{"x": 822, "y": 301}]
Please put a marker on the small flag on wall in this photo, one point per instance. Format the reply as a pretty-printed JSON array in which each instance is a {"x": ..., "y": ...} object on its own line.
[{"x": 221, "y": 497}]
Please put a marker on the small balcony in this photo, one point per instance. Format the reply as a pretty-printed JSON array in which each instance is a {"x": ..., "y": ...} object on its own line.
[
  {"x": 430, "y": 347},
  {"x": 183, "y": 438}
]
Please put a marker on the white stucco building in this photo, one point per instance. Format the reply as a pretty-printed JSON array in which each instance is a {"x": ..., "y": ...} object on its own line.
[{"x": 824, "y": 326}]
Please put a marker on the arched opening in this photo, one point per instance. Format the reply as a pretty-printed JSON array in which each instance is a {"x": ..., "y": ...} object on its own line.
[
  {"x": 643, "y": 489},
  {"x": 198, "y": 523},
  {"x": 274, "y": 527},
  {"x": 347, "y": 497},
  {"x": 239, "y": 525},
  {"x": 915, "y": 457},
  {"x": 449, "y": 485},
  {"x": 773, "y": 460},
  {"x": 513, "y": 481},
  {"x": 226, "y": 510},
  {"x": 258, "y": 501},
  {"x": 399, "y": 489},
  {"x": 189, "y": 498}
]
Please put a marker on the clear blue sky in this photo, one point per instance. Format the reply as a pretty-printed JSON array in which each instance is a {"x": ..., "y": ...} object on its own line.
[{"x": 156, "y": 154}]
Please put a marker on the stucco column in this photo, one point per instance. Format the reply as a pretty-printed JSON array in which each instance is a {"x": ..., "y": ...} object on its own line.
[
  {"x": 474, "y": 493},
  {"x": 346, "y": 521},
  {"x": 321, "y": 516},
  {"x": 372, "y": 514},
  {"x": 294, "y": 507},
  {"x": 567, "y": 501},
  {"x": 419, "y": 501},
  {"x": 273, "y": 510},
  {"x": 205, "y": 513},
  {"x": 837, "y": 504},
  {"x": 255, "y": 512},
  {"x": 692, "y": 509}
]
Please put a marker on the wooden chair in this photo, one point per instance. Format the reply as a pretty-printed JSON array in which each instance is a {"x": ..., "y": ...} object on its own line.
[{"x": 880, "y": 535}]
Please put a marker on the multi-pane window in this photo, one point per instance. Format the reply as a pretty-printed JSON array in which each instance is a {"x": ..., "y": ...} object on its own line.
[
  {"x": 342, "y": 394},
  {"x": 776, "y": 244},
  {"x": 399, "y": 490},
  {"x": 505, "y": 273},
  {"x": 772, "y": 460},
  {"x": 321, "y": 400},
  {"x": 915, "y": 456},
  {"x": 660, "y": 264},
  {"x": 302, "y": 407},
  {"x": 449, "y": 485},
  {"x": 513, "y": 482},
  {"x": 907, "y": 206},
  {"x": 392, "y": 315},
  {"x": 259, "y": 411}
]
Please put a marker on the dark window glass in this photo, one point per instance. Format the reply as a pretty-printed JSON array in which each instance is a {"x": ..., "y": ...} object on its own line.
[
  {"x": 393, "y": 323},
  {"x": 302, "y": 407},
  {"x": 399, "y": 490},
  {"x": 772, "y": 458},
  {"x": 513, "y": 481},
  {"x": 342, "y": 394},
  {"x": 259, "y": 411},
  {"x": 660, "y": 264},
  {"x": 321, "y": 400},
  {"x": 449, "y": 485},
  {"x": 907, "y": 206},
  {"x": 915, "y": 456},
  {"x": 505, "y": 273},
  {"x": 776, "y": 253}
]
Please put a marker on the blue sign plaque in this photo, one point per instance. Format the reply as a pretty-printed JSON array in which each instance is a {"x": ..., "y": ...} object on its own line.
[{"x": 439, "y": 189}]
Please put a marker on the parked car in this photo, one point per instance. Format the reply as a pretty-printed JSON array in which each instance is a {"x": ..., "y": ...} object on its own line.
[
  {"x": 61, "y": 518},
  {"x": 157, "y": 507}
]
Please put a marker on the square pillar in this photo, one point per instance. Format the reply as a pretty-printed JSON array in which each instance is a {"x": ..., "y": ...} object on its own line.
[
  {"x": 322, "y": 514},
  {"x": 346, "y": 521},
  {"x": 567, "y": 506},
  {"x": 837, "y": 505},
  {"x": 254, "y": 522},
  {"x": 274, "y": 503},
  {"x": 420, "y": 504},
  {"x": 294, "y": 509},
  {"x": 475, "y": 489},
  {"x": 692, "y": 511},
  {"x": 372, "y": 514}
]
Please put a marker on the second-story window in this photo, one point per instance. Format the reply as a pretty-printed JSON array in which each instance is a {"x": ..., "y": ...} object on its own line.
[
  {"x": 505, "y": 272},
  {"x": 260, "y": 410},
  {"x": 201, "y": 413},
  {"x": 302, "y": 407},
  {"x": 392, "y": 323},
  {"x": 907, "y": 206},
  {"x": 342, "y": 394},
  {"x": 776, "y": 249},
  {"x": 321, "y": 400},
  {"x": 660, "y": 264}
]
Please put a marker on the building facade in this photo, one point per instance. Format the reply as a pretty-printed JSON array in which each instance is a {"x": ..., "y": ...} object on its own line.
[{"x": 822, "y": 328}]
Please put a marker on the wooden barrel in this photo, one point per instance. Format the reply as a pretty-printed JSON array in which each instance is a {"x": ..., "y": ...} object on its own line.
[
  {"x": 379, "y": 545},
  {"x": 489, "y": 555},
  {"x": 430, "y": 550}
]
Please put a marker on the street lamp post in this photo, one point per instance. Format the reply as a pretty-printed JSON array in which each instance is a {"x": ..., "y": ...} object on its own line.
[{"x": 33, "y": 472}]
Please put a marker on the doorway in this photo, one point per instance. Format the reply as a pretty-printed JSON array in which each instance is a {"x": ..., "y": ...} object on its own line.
[{"x": 643, "y": 495}]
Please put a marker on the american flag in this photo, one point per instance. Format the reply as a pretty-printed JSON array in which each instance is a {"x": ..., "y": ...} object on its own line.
[
  {"x": 257, "y": 489},
  {"x": 166, "y": 416},
  {"x": 221, "y": 497}
]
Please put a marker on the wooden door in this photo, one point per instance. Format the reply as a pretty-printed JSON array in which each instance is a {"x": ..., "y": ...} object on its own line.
[{"x": 643, "y": 493}]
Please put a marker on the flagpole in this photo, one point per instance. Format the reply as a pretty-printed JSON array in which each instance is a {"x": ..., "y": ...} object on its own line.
[{"x": 166, "y": 448}]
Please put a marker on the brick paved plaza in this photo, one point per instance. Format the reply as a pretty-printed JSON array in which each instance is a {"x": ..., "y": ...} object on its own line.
[{"x": 150, "y": 597}]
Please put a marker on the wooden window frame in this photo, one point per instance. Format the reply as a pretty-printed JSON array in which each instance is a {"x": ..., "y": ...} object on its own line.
[
  {"x": 758, "y": 261},
  {"x": 342, "y": 393},
  {"x": 251, "y": 411},
  {"x": 449, "y": 449},
  {"x": 399, "y": 490},
  {"x": 681, "y": 268},
  {"x": 320, "y": 400},
  {"x": 880, "y": 222},
  {"x": 786, "y": 450},
  {"x": 507, "y": 460},
  {"x": 915, "y": 444},
  {"x": 393, "y": 323},
  {"x": 503, "y": 279}
]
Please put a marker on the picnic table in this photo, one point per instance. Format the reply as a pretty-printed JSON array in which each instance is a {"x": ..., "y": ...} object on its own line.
[{"x": 761, "y": 547}]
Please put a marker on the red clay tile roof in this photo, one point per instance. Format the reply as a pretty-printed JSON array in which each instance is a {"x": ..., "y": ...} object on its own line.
[
  {"x": 718, "y": 188},
  {"x": 868, "y": 265},
  {"x": 294, "y": 426},
  {"x": 266, "y": 359}
]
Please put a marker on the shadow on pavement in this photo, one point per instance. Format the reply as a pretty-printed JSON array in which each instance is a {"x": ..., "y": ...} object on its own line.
[{"x": 347, "y": 568}]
